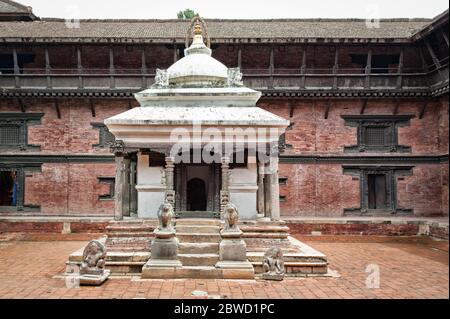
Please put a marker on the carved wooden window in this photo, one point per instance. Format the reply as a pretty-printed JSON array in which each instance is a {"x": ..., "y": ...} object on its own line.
[
  {"x": 12, "y": 188},
  {"x": 378, "y": 188},
  {"x": 111, "y": 181},
  {"x": 377, "y": 133},
  {"x": 14, "y": 130},
  {"x": 106, "y": 138}
]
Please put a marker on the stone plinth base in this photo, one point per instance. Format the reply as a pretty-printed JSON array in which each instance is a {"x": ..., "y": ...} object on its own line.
[
  {"x": 158, "y": 268},
  {"x": 94, "y": 279},
  {"x": 233, "y": 250},
  {"x": 165, "y": 248},
  {"x": 271, "y": 276}
]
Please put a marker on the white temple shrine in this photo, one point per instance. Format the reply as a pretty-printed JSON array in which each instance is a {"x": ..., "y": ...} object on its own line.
[
  {"x": 200, "y": 141},
  {"x": 197, "y": 188}
]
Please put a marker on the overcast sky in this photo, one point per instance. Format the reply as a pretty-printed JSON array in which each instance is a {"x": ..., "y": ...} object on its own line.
[{"x": 250, "y": 9}]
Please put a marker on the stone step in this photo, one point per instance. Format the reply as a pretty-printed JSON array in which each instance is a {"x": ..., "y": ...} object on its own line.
[
  {"x": 129, "y": 229},
  {"x": 131, "y": 234},
  {"x": 197, "y": 222},
  {"x": 198, "y": 259},
  {"x": 200, "y": 272},
  {"x": 198, "y": 237},
  {"x": 189, "y": 229},
  {"x": 198, "y": 248}
]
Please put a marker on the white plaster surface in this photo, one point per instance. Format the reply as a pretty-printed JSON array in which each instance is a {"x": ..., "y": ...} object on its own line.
[{"x": 150, "y": 187}]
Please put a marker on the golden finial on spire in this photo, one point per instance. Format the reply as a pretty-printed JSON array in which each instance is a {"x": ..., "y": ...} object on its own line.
[{"x": 198, "y": 28}]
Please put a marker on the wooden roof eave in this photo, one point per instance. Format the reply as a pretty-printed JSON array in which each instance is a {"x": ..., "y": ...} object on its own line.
[{"x": 214, "y": 40}]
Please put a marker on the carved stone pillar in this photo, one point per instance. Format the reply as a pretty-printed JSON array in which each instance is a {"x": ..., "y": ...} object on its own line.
[
  {"x": 267, "y": 196},
  {"x": 275, "y": 190},
  {"x": 260, "y": 193},
  {"x": 178, "y": 187},
  {"x": 126, "y": 188},
  {"x": 170, "y": 192},
  {"x": 118, "y": 149},
  {"x": 225, "y": 192},
  {"x": 133, "y": 191}
]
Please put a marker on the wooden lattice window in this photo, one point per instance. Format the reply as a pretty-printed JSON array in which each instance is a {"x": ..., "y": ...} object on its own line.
[
  {"x": 377, "y": 133},
  {"x": 9, "y": 135},
  {"x": 14, "y": 130},
  {"x": 375, "y": 136}
]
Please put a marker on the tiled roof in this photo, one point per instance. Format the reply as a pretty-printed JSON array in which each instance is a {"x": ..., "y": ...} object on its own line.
[
  {"x": 7, "y": 6},
  {"x": 57, "y": 29}
]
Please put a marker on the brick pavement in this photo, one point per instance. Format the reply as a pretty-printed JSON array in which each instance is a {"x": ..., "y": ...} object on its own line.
[{"x": 409, "y": 269}]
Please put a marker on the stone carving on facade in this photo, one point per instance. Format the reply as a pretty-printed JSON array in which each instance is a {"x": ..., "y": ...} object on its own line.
[
  {"x": 117, "y": 147},
  {"x": 165, "y": 215},
  {"x": 273, "y": 264},
  {"x": 92, "y": 270},
  {"x": 161, "y": 79},
  {"x": 235, "y": 77},
  {"x": 231, "y": 217}
]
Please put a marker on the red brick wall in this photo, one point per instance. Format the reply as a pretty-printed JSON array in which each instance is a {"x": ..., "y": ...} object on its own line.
[
  {"x": 313, "y": 134},
  {"x": 317, "y": 190},
  {"x": 63, "y": 188},
  {"x": 70, "y": 189},
  {"x": 73, "y": 132},
  {"x": 323, "y": 190}
]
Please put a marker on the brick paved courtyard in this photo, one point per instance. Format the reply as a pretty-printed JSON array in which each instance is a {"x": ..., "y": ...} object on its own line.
[{"x": 410, "y": 268}]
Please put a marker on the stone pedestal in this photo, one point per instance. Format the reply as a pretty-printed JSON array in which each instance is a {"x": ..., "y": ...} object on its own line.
[
  {"x": 233, "y": 249},
  {"x": 164, "y": 255},
  {"x": 233, "y": 253},
  {"x": 93, "y": 278},
  {"x": 273, "y": 276}
]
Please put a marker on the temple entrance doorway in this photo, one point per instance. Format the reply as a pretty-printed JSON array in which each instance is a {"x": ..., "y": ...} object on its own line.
[
  {"x": 197, "y": 189},
  {"x": 196, "y": 195}
]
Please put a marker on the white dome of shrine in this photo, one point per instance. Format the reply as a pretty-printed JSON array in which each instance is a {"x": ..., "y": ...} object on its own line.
[{"x": 198, "y": 67}]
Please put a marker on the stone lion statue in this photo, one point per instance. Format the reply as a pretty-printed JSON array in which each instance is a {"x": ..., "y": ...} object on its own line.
[
  {"x": 165, "y": 214},
  {"x": 94, "y": 256},
  {"x": 231, "y": 217},
  {"x": 273, "y": 263}
]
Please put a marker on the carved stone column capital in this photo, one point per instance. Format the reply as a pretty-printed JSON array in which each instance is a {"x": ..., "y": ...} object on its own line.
[{"x": 117, "y": 148}]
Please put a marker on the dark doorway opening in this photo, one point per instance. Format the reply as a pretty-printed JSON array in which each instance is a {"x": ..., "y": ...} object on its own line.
[
  {"x": 377, "y": 191},
  {"x": 8, "y": 188},
  {"x": 196, "y": 195}
]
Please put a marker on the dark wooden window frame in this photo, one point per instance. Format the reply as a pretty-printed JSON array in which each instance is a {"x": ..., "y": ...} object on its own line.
[
  {"x": 22, "y": 171},
  {"x": 103, "y": 135},
  {"x": 111, "y": 181},
  {"x": 283, "y": 181},
  {"x": 390, "y": 124},
  {"x": 21, "y": 121},
  {"x": 392, "y": 174}
]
